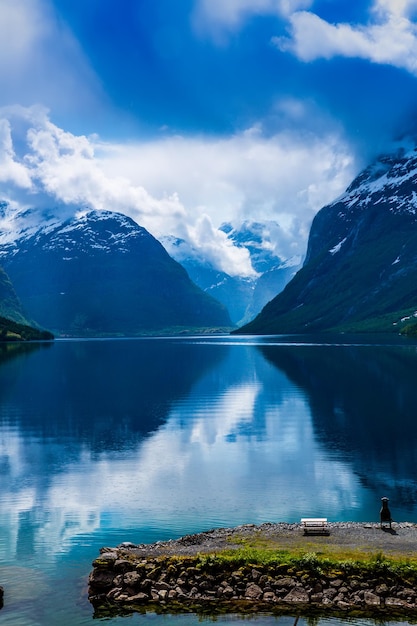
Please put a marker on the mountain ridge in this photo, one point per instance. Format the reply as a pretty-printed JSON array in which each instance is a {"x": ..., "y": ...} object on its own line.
[
  {"x": 243, "y": 295},
  {"x": 14, "y": 324},
  {"x": 99, "y": 272},
  {"x": 360, "y": 269}
]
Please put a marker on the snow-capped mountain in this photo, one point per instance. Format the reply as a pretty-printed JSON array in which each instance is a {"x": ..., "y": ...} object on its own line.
[
  {"x": 360, "y": 271},
  {"x": 243, "y": 296},
  {"x": 98, "y": 272}
]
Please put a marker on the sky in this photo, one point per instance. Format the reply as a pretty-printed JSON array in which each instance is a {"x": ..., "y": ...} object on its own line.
[{"x": 185, "y": 114}]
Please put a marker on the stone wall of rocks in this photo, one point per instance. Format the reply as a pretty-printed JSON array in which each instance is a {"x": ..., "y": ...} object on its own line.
[{"x": 120, "y": 581}]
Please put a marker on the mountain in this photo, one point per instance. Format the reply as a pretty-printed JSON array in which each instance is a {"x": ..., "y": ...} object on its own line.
[
  {"x": 14, "y": 326},
  {"x": 10, "y": 305},
  {"x": 99, "y": 273},
  {"x": 360, "y": 271},
  {"x": 242, "y": 295}
]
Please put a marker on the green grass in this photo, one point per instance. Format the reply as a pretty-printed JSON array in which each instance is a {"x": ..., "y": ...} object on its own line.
[
  {"x": 328, "y": 562},
  {"x": 301, "y": 556},
  {"x": 12, "y": 331},
  {"x": 360, "y": 291}
]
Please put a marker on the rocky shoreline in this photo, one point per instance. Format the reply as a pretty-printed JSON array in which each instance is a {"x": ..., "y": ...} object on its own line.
[{"x": 184, "y": 575}]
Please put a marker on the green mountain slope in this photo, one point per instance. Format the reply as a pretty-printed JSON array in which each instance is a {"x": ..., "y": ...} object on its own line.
[
  {"x": 100, "y": 273},
  {"x": 360, "y": 272},
  {"x": 13, "y": 324}
]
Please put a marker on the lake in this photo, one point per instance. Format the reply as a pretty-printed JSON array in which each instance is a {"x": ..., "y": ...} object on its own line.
[{"x": 105, "y": 441}]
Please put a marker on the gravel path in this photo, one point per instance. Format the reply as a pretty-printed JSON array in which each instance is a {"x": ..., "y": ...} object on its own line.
[{"x": 401, "y": 540}]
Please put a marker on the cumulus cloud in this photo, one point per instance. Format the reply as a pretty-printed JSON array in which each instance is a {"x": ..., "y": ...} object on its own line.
[
  {"x": 214, "y": 246},
  {"x": 59, "y": 166},
  {"x": 390, "y": 37},
  {"x": 185, "y": 187},
  {"x": 245, "y": 176}
]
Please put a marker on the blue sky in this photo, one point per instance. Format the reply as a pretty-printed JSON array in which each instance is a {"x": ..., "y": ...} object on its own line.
[{"x": 188, "y": 113}]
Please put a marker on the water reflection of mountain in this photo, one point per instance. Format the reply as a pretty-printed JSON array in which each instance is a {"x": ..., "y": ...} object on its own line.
[
  {"x": 10, "y": 350},
  {"x": 364, "y": 404},
  {"x": 11, "y": 356},
  {"x": 104, "y": 394}
]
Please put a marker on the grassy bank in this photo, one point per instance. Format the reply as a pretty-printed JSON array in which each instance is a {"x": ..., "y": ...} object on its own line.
[{"x": 254, "y": 573}]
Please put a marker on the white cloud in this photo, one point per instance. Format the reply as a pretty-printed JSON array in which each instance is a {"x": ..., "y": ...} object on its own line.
[
  {"x": 391, "y": 38},
  {"x": 214, "y": 246},
  {"x": 40, "y": 60},
  {"x": 188, "y": 469},
  {"x": 10, "y": 170},
  {"x": 185, "y": 187},
  {"x": 395, "y": 7},
  {"x": 218, "y": 16},
  {"x": 244, "y": 176}
]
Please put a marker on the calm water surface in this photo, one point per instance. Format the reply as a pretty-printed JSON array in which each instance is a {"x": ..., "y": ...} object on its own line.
[{"x": 140, "y": 440}]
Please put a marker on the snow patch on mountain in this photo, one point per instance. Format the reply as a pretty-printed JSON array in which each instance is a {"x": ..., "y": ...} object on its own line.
[
  {"x": 338, "y": 246},
  {"x": 389, "y": 179},
  {"x": 243, "y": 295}
]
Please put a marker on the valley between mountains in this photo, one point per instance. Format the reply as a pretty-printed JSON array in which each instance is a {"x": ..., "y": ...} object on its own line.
[{"x": 99, "y": 273}]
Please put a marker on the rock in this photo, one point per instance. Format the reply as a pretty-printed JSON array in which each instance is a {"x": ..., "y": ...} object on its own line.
[
  {"x": 139, "y": 597},
  {"x": 357, "y": 600},
  {"x": 326, "y": 601},
  {"x": 395, "y": 602},
  {"x": 407, "y": 594},
  {"x": 101, "y": 579},
  {"x": 286, "y": 582},
  {"x": 330, "y": 594},
  {"x": 253, "y": 592},
  {"x": 371, "y": 599},
  {"x": 122, "y": 565},
  {"x": 256, "y": 574},
  {"x": 382, "y": 590},
  {"x": 269, "y": 596},
  {"x": 341, "y": 604},
  {"x": 123, "y": 597},
  {"x": 116, "y": 591},
  {"x": 146, "y": 585},
  {"x": 228, "y": 592},
  {"x": 298, "y": 595},
  {"x": 316, "y": 598},
  {"x": 131, "y": 578},
  {"x": 162, "y": 586},
  {"x": 105, "y": 560}
]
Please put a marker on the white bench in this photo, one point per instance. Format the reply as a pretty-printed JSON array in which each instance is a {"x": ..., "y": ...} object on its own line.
[{"x": 315, "y": 525}]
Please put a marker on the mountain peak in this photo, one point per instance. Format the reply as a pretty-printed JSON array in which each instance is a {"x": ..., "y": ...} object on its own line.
[
  {"x": 98, "y": 272},
  {"x": 361, "y": 264}
]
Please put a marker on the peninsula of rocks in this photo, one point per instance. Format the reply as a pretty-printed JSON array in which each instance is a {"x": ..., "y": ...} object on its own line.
[{"x": 210, "y": 572}]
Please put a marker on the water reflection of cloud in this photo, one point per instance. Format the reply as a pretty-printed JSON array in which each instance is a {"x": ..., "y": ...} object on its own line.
[{"x": 238, "y": 456}]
